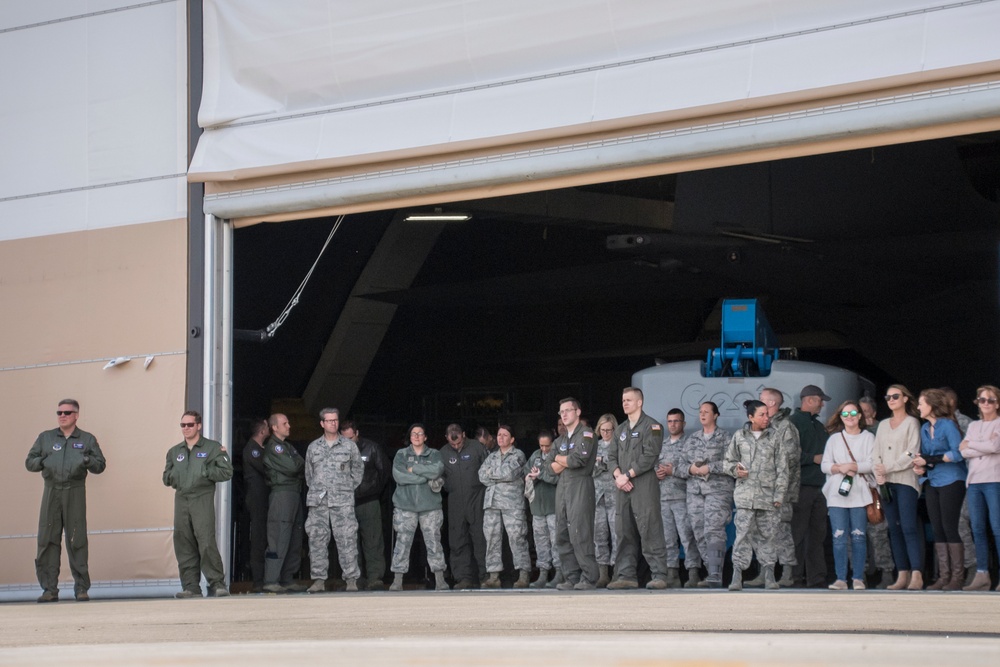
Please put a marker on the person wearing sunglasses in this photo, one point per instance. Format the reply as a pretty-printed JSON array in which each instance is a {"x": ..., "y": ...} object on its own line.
[
  {"x": 981, "y": 450},
  {"x": 605, "y": 542},
  {"x": 941, "y": 464},
  {"x": 897, "y": 443},
  {"x": 194, "y": 466},
  {"x": 846, "y": 457},
  {"x": 64, "y": 456}
]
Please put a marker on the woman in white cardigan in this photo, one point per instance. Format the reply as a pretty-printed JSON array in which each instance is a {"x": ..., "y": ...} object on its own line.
[{"x": 847, "y": 457}]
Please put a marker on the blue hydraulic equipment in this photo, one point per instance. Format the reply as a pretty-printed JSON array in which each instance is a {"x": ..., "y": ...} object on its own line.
[{"x": 749, "y": 345}]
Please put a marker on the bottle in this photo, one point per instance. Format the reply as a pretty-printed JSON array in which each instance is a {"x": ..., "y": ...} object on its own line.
[
  {"x": 845, "y": 485},
  {"x": 885, "y": 493}
]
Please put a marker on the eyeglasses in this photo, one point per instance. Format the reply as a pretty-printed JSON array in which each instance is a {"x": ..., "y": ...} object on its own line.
[
  {"x": 188, "y": 424},
  {"x": 606, "y": 429},
  {"x": 892, "y": 397},
  {"x": 330, "y": 420},
  {"x": 65, "y": 413},
  {"x": 851, "y": 413},
  {"x": 418, "y": 433},
  {"x": 983, "y": 401}
]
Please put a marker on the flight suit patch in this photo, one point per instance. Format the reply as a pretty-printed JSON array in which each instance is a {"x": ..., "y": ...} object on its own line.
[
  {"x": 278, "y": 449},
  {"x": 201, "y": 455},
  {"x": 57, "y": 447},
  {"x": 255, "y": 453},
  {"x": 77, "y": 445},
  {"x": 180, "y": 457},
  {"x": 453, "y": 460}
]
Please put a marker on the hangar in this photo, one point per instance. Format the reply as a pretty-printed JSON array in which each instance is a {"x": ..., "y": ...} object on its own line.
[{"x": 840, "y": 163}]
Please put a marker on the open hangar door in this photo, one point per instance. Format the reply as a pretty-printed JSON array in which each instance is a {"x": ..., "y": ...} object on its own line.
[{"x": 883, "y": 260}]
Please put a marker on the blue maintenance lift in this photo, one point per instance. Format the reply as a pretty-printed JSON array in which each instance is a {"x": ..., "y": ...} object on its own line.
[{"x": 749, "y": 345}]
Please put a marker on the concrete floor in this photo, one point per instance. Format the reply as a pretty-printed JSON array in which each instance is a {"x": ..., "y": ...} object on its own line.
[{"x": 525, "y": 627}]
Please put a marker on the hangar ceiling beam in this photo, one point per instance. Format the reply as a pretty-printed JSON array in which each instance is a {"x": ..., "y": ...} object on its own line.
[{"x": 363, "y": 323}]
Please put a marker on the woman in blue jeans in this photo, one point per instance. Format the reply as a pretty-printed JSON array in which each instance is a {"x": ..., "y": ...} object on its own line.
[
  {"x": 897, "y": 443},
  {"x": 846, "y": 458},
  {"x": 981, "y": 450}
]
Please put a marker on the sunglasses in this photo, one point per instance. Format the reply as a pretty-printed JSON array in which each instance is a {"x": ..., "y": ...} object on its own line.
[
  {"x": 851, "y": 413},
  {"x": 984, "y": 401},
  {"x": 188, "y": 424},
  {"x": 892, "y": 397},
  {"x": 65, "y": 413}
]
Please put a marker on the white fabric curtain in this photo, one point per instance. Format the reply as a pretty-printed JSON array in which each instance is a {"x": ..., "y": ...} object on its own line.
[{"x": 321, "y": 84}]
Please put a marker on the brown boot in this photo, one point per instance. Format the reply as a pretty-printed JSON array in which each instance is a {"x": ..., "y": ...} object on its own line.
[
  {"x": 604, "y": 578},
  {"x": 956, "y": 552},
  {"x": 902, "y": 581},
  {"x": 981, "y": 582},
  {"x": 916, "y": 581},
  {"x": 943, "y": 566}
]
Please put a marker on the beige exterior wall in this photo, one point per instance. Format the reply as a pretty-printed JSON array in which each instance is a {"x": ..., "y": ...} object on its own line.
[{"x": 72, "y": 302}]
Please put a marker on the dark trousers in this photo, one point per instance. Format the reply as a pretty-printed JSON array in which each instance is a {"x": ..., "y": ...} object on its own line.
[
  {"x": 369, "y": 515},
  {"x": 944, "y": 505},
  {"x": 283, "y": 558},
  {"x": 62, "y": 511},
  {"x": 194, "y": 542},
  {"x": 809, "y": 527},
  {"x": 466, "y": 540},
  {"x": 256, "y": 503},
  {"x": 906, "y": 533},
  {"x": 639, "y": 525}
]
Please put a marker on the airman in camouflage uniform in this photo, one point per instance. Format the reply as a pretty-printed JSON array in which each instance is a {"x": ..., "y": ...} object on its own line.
[
  {"x": 709, "y": 490},
  {"x": 632, "y": 458},
  {"x": 605, "y": 539},
  {"x": 789, "y": 437},
  {"x": 673, "y": 506},
  {"x": 418, "y": 472},
  {"x": 542, "y": 502},
  {"x": 572, "y": 459},
  {"x": 333, "y": 470},
  {"x": 758, "y": 460},
  {"x": 502, "y": 475}
]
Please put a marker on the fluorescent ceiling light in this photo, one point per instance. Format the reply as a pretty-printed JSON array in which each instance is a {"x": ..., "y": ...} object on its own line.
[{"x": 437, "y": 215}]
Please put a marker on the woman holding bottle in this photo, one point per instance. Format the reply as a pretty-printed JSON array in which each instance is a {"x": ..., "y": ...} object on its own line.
[
  {"x": 897, "y": 443},
  {"x": 846, "y": 458}
]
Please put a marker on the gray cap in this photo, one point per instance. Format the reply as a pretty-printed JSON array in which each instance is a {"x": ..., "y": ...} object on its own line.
[{"x": 813, "y": 390}]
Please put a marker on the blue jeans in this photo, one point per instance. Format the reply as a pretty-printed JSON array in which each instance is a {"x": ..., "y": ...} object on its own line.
[
  {"x": 849, "y": 525},
  {"x": 984, "y": 509},
  {"x": 906, "y": 534}
]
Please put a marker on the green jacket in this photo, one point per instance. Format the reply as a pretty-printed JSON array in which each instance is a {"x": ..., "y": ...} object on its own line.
[
  {"x": 812, "y": 440},
  {"x": 64, "y": 462},
  {"x": 194, "y": 472},
  {"x": 284, "y": 466},
  {"x": 545, "y": 486},
  {"x": 413, "y": 492}
]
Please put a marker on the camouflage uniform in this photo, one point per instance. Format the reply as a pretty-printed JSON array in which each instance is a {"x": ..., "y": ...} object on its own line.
[
  {"x": 503, "y": 476},
  {"x": 604, "y": 508},
  {"x": 673, "y": 509},
  {"x": 333, "y": 471},
  {"x": 414, "y": 502},
  {"x": 543, "y": 513},
  {"x": 639, "y": 524},
  {"x": 757, "y": 519},
  {"x": 575, "y": 504},
  {"x": 788, "y": 435},
  {"x": 709, "y": 498},
  {"x": 64, "y": 464}
]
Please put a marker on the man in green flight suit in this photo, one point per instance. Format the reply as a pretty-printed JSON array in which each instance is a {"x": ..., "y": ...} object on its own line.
[
  {"x": 64, "y": 456},
  {"x": 194, "y": 467}
]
